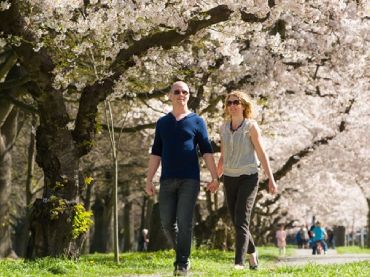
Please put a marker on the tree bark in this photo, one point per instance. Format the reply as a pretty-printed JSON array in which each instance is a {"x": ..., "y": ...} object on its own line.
[
  {"x": 52, "y": 217},
  {"x": 102, "y": 235},
  {"x": 8, "y": 128},
  {"x": 127, "y": 227},
  {"x": 368, "y": 222},
  {"x": 157, "y": 237},
  {"x": 23, "y": 226},
  {"x": 148, "y": 213}
]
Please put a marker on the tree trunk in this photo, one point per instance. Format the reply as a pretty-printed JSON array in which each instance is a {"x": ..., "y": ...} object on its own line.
[
  {"x": 58, "y": 222},
  {"x": 87, "y": 204},
  {"x": 127, "y": 227},
  {"x": 148, "y": 213},
  {"x": 8, "y": 126},
  {"x": 5, "y": 178},
  {"x": 102, "y": 237},
  {"x": 368, "y": 222},
  {"x": 157, "y": 237},
  {"x": 22, "y": 227},
  {"x": 143, "y": 213}
]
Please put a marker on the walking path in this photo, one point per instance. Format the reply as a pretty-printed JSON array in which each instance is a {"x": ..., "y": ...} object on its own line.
[{"x": 304, "y": 256}]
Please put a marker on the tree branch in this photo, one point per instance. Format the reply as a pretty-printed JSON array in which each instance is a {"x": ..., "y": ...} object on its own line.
[
  {"x": 252, "y": 18},
  {"x": 92, "y": 95},
  {"x": 25, "y": 107},
  {"x": 167, "y": 39},
  {"x": 131, "y": 129},
  {"x": 155, "y": 94},
  {"x": 10, "y": 61},
  {"x": 14, "y": 83}
]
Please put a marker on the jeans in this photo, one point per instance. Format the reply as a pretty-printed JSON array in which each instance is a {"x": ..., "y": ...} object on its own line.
[
  {"x": 240, "y": 194},
  {"x": 177, "y": 198}
]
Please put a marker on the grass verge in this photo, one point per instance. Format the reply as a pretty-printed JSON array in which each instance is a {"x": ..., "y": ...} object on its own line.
[{"x": 204, "y": 263}]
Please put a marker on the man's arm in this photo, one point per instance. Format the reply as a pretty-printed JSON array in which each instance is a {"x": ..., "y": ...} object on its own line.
[
  {"x": 154, "y": 162},
  {"x": 211, "y": 165}
]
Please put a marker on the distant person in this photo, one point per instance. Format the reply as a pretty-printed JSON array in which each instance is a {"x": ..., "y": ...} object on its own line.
[
  {"x": 143, "y": 240},
  {"x": 298, "y": 239},
  {"x": 178, "y": 135},
  {"x": 303, "y": 232},
  {"x": 281, "y": 240},
  {"x": 319, "y": 236},
  {"x": 310, "y": 235},
  {"x": 331, "y": 239},
  {"x": 241, "y": 145}
]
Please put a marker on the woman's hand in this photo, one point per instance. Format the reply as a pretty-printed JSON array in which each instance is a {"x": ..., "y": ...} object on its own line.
[{"x": 272, "y": 187}]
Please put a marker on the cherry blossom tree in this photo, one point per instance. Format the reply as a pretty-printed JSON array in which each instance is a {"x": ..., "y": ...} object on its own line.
[
  {"x": 303, "y": 62},
  {"x": 51, "y": 41}
]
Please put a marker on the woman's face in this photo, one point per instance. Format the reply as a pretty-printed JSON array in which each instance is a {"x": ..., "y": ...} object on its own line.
[{"x": 234, "y": 106}]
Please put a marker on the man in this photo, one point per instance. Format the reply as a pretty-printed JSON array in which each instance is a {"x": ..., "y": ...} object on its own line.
[{"x": 175, "y": 144}]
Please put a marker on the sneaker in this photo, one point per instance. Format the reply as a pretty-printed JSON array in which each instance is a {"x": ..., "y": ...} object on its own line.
[
  {"x": 254, "y": 266},
  {"x": 238, "y": 266}
]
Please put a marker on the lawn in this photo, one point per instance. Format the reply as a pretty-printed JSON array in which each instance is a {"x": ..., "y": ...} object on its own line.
[
  {"x": 204, "y": 263},
  {"x": 352, "y": 250}
]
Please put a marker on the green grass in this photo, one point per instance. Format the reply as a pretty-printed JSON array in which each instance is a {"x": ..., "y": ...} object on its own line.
[
  {"x": 352, "y": 250},
  {"x": 204, "y": 263}
]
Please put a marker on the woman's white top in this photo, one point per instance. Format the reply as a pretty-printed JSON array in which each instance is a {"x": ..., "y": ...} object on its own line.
[{"x": 239, "y": 154}]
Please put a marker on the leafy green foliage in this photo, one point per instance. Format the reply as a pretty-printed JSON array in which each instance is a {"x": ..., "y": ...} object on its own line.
[
  {"x": 81, "y": 221},
  {"x": 58, "y": 207},
  {"x": 88, "y": 180}
]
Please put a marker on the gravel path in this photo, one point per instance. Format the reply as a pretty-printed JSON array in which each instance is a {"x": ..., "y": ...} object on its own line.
[{"x": 304, "y": 256}]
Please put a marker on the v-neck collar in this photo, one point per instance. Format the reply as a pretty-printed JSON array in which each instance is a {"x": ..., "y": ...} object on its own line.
[{"x": 174, "y": 117}]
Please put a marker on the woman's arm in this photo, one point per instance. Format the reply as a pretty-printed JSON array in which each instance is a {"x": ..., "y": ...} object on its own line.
[
  {"x": 220, "y": 165},
  {"x": 262, "y": 156}
]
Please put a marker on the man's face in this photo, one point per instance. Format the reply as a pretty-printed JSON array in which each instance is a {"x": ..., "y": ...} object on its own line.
[{"x": 179, "y": 94}]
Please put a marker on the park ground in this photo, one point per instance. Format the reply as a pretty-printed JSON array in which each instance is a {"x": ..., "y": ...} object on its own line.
[{"x": 298, "y": 262}]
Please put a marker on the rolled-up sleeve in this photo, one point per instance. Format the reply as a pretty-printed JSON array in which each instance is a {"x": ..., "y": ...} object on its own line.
[
  {"x": 202, "y": 138},
  {"x": 157, "y": 144}
]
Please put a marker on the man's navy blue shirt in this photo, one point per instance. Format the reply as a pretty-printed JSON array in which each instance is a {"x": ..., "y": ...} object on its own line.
[{"x": 176, "y": 143}]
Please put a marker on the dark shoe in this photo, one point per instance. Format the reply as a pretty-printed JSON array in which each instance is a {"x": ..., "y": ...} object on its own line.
[
  {"x": 255, "y": 266},
  {"x": 180, "y": 271}
]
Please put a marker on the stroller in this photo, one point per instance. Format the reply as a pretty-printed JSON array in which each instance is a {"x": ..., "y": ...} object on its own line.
[{"x": 317, "y": 247}]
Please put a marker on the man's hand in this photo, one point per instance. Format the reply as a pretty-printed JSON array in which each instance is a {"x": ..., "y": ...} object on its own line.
[
  {"x": 213, "y": 185},
  {"x": 150, "y": 189},
  {"x": 272, "y": 187}
]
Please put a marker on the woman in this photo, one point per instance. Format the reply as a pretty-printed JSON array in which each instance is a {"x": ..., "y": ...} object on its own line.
[
  {"x": 281, "y": 240},
  {"x": 240, "y": 142}
]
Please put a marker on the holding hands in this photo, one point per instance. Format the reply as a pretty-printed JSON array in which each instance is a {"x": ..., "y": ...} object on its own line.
[{"x": 213, "y": 185}]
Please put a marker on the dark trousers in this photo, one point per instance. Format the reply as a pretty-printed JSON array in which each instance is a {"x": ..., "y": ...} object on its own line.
[
  {"x": 177, "y": 198},
  {"x": 240, "y": 196}
]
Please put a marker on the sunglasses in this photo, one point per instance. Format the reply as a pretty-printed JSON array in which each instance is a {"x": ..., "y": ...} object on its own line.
[
  {"x": 233, "y": 102},
  {"x": 178, "y": 91}
]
